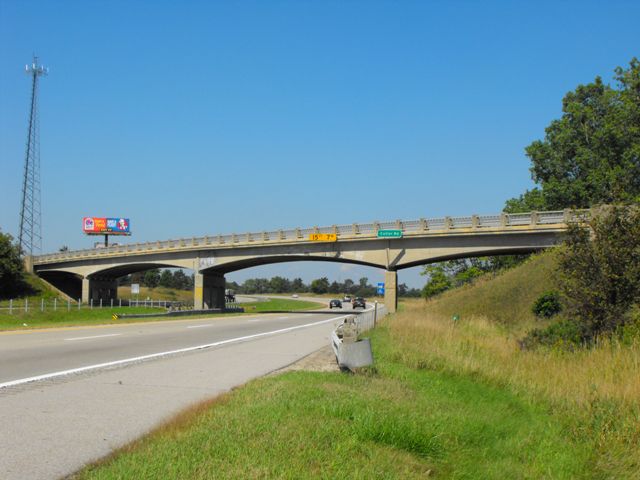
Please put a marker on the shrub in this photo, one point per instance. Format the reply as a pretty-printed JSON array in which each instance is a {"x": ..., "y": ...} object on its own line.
[{"x": 547, "y": 305}]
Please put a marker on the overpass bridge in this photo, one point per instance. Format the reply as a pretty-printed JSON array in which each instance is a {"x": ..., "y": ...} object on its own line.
[{"x": 92, "y": 274}]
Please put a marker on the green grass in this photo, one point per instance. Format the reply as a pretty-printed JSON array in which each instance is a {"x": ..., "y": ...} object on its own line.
[
  {"x": 74, "y": 317},
  {"x": 392, "y": 422},
  {"x": 275, "y": 304},
  {"x": 100, "y": 316}
]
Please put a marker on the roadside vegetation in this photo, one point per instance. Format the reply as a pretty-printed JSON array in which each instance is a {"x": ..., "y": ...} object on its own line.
[{"x": 447, "y": 398}]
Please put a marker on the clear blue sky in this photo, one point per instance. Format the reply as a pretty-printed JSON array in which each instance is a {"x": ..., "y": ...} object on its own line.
[{"x": 198, "y": 117}]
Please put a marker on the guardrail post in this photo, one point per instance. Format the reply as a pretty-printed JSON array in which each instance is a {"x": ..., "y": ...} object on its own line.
[
  {"x": 265, "y": 237},
  {"x": 10, "y": 306},
  {"x": 26, "y": 305},
  {"x": 423, "y": 224},
  {"x": 91, "y": 304},
  {"x": 68, "y": 305},
  {"x": 220, "y": 240},
  {"x": 298, "y": 233},
  {"x": 55, "y": 304},
  {"x": 504, "y": 220},
  {"x": 100, "y": 302},
  {"x": 335, "y": 230},
  {"x": 475, "y": 221},
  {"x": 566, "y": 215},
  {"x": 281, "y": 235},
  {"x": 399, "y": 225},
  {"x": 79, "y": 303},
  {"x": 354, "y": 229},
  {"x": 42, "y": 304}
]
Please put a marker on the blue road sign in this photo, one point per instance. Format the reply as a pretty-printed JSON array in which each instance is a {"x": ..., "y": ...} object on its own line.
[{"x": 380, "y": 289}]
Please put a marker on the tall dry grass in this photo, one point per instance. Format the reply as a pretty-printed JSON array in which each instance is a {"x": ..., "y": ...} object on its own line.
[{"x": 596, "y": 389}]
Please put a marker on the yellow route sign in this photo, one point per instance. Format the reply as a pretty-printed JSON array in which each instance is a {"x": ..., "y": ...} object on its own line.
[{"x": 323, "y": 237}]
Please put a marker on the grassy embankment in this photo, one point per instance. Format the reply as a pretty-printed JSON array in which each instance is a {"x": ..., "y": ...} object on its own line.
[
  {"x": 69, "y": 315},
  {"x": 448, "y": 400}
]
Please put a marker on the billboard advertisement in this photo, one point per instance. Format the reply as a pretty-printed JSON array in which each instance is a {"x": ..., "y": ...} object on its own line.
[{"x": 105, "y": 226}]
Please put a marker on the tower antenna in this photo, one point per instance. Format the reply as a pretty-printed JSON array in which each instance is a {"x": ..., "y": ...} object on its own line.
[{"x": 30, "y": 237}]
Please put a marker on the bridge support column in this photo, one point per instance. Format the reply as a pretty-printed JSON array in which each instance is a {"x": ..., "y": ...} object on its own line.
[
  {"x": 86, "y": 290},
  {"x": 208, "y": 291},
  {"x": 391, "y": 290},
  {"x": 97, "y": 289}
]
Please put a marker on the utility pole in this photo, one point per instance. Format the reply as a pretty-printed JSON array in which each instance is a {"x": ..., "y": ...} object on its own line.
[{"x": 30, "y": 236}]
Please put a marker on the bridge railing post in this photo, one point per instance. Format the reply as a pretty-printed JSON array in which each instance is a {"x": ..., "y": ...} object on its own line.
[
  {"x": 535, "y": 218},
  {"x": 504, "y": 220}
]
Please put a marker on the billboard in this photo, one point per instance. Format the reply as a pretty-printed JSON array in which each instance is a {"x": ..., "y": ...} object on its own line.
[{"x": 105, "y": 226}]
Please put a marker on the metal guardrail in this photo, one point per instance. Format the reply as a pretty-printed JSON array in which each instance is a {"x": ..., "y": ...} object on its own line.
[
  {"x": 350, "y": 352},
  {"x": 343, "y": 232}
]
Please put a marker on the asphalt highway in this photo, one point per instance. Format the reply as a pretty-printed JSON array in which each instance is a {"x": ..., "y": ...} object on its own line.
[
  {"x": 72, "y": 396},
  {"x": 24, "y": 355}
]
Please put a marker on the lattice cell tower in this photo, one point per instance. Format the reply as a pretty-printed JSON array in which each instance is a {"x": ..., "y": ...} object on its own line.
[{"x": 30, "y": 237}]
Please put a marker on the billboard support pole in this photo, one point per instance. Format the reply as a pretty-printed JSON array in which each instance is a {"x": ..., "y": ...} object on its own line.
[{"x": 106, "y": 240}]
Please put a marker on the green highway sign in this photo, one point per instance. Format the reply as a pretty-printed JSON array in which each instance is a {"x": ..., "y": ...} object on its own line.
[{"x": 389, "y": 233}]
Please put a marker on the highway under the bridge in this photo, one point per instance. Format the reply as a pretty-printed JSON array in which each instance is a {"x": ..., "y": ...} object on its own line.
[{"x": 54, "y": 426}]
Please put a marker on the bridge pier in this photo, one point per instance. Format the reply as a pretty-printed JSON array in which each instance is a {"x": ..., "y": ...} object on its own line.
[
  {"x": 391, "y": 290},
  {"x": 208, "y": 291},
  {"x": 99, "y": 288}
]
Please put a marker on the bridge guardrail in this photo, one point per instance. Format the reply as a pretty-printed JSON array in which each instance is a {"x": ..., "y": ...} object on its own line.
[{"x": 345, "y": 232}]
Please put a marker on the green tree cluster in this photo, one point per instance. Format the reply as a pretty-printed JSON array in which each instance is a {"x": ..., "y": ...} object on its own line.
[
  {"x": 591, "y": 155},
  {"x": 600, "y": 271},
  {"x": 454, "y": 273},
  {"x": 11, "y": 268}
]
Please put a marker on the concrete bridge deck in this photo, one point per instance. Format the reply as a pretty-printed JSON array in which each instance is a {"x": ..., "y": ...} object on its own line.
[{"x": 92, "y": 273}]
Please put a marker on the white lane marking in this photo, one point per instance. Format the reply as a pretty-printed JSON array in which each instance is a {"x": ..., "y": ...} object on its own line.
[
  {"x": 201, "y": 326},
  {"x": 47, "y": 376},
  {"x": 254, "y": 320},
  {"x": 94, "y": 336},
  {"x": 282, "y": 318}
]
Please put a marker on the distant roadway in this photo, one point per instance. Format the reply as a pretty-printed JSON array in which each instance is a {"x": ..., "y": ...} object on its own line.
[{"x": 59, "y": 411}]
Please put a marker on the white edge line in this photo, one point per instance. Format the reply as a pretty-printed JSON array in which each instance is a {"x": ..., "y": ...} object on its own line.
[
  {"x": 47, "y": 376},
  {"x": 201, "y": 326},
  {"x": 94, "y": 336}
]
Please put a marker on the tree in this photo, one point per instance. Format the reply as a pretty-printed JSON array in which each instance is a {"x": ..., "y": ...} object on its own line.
[
  {"x": 11, "y": 267},
  {"x": 600, "y": 271},
  {"x": 279, "y": 285},
  {"x": 166, "y": 279},
  {"x": 298, "y": 286},
  {"x": 320, "y": 285},
  {"x": 591, "y": 155},
  {"x": 180, "y": 280},
  {"x": 438, "y": 281},
  {"x": 151, "y": 278},
  {"x": 335, "y": 287}
]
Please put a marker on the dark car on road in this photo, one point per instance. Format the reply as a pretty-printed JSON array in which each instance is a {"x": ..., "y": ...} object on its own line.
[
  {"x": 359, "y": 302},
  {"x": 335, "y": 303}
]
